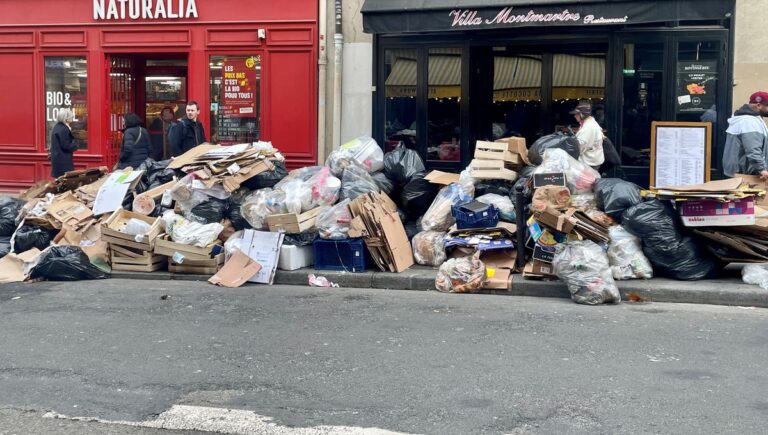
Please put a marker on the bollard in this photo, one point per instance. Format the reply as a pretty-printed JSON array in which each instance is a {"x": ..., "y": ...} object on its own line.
[{"x": 520, "y": 220}]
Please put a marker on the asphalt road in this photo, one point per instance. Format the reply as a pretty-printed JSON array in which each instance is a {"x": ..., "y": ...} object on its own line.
[{"x": 336, "y": 360}]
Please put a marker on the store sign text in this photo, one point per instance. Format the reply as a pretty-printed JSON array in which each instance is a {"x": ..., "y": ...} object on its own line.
[
  {"x": 472, "y": 18},
  {"x": 54, "y": 102},
  {"x": 143, "y": 9}
]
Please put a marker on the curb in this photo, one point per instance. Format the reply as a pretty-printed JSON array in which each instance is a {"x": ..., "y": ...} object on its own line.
[{"x": 729, "y": 291}]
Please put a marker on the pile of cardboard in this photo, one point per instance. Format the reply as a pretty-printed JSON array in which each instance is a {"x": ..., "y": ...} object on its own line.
[
  {"x": 496, "y": 247},
  {"x": 129, "y": 252},
  {"x": 228, "y": 166},
  {"x": 376, "y": 220},
  {"x": 499, "y": 160}
]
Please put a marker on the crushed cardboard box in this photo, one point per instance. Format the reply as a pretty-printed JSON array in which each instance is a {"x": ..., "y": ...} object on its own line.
[
  {"x": 376, "y": 220},
  {"x": 239, "y": 269}
]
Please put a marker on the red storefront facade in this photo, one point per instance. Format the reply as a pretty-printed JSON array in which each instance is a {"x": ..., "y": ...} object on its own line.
[{"x": 252, "y": 66}]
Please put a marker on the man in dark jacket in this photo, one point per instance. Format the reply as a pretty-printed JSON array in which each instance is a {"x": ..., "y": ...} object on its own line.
[
  {"x": 136, "y": 143},
  {"x": 63, "y": 144},
  {"x": 746, "y": 142},
  {"x": 188, "y": 133}
]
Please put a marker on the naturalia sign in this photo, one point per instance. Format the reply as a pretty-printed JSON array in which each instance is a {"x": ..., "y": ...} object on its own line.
[{"x": 143, "y": 9}]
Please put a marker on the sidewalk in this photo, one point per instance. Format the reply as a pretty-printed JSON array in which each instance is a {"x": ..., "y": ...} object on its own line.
[{"x": 729, "y": 290}]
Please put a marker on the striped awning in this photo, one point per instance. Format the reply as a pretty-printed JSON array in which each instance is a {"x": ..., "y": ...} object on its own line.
[{"x": 570, "y": 71}]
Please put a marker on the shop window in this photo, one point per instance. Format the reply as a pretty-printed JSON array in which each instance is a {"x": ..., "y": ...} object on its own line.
[
  {"x": 696, "y": 81},
  {"x": 235, "y": 99},
  {"x": 577, "y": 78},
  {"x": 66, "y": 85},
  {"x": 400, "y": 107},
  {"x": 517, "y": 96},
  {"x": 643, "y": 80},
  {"x": 443, "y": 105}
]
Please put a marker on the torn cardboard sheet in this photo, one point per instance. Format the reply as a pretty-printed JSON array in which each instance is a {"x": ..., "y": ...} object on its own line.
[
  {"x": 264, "y": 248},
  {"x": 68, "y": 210},
  {"x": 443, "y": 178},
  {"x": 239, "y": 269},
  {"x": 375, "y": 218},
  {"x": 14, "y": 267}
]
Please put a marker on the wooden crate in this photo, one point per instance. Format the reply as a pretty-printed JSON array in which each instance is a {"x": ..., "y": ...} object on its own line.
[
  {"x": 112, "y": 230},
  {"x": 292, "y": 223},
  {"x": 165, "y": 246},
  {"x": 135, "y": 262},
  {"x": 496, "y": 151},
  {"x": 197, "y": 267},
  {"x": 491, "y": 170}
]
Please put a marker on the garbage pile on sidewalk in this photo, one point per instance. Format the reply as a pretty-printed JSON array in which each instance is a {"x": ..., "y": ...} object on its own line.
[{"x": 235, "y": 213}]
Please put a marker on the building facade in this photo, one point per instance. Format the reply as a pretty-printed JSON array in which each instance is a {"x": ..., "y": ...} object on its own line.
[{"x": 251, "y": 66}]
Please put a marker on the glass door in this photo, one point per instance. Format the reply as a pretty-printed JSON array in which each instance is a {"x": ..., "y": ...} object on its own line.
[{"x": 122, "y": 99}]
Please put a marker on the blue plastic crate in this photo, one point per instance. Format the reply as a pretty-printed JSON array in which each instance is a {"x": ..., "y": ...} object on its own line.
[
  {"x": 349, "y": 255},
  {"x": 466, "y": 219}
]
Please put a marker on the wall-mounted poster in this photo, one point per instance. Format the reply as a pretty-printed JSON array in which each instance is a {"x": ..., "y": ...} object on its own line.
[
  {"x": 239, "y": 95},
  {"x": 696, "y": 86},
  {"x": 680, "y": 153}
]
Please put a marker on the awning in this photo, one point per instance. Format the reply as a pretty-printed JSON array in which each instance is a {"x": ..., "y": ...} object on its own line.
[{"x": 403, "y": 16}]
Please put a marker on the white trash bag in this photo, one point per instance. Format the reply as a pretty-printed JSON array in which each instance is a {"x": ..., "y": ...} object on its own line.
[
  {"x": 584, "y": 267},
  {"x": 625, "y": 254}
]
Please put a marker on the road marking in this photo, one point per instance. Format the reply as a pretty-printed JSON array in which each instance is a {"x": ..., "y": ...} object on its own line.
[{"x": 228, "y": 421}]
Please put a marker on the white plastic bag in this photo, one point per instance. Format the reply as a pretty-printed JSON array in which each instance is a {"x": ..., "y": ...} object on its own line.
[
  {"x": 461, "y": 275},
  {"x": 333, "y": 223},
  {"x": 429, "y": 248},
  {"x": 190, "y": 233},
  {"x": 262, "y": 203},
  {"x": 756, "y": 274},
  {"x": 584, "y": 267},
  {"x": 136, "y": 227},
  {"x": 625, "y": 254},
  {"x": 579, "y": 177},
  {"x": 363, "y": 150},
  {"x": 438, "y": 217},
  {"x": 503, "y": 203}
]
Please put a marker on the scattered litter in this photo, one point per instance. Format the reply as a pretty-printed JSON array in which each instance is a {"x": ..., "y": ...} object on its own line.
[{"x": 320, "y": 281}]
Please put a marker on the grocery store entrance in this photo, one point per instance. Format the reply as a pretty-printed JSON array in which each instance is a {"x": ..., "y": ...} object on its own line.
[{"x": 154, "y": 86}]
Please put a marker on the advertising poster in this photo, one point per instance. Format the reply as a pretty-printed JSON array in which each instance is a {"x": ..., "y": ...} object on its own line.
[
  {"x": 696, "y": 86},
  {"x": 239, "y": 83}
]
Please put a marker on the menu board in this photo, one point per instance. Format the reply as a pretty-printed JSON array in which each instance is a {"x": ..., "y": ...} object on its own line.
[
  {"x": 680, "y": 153},
  {"x": 696, "y": 86}
]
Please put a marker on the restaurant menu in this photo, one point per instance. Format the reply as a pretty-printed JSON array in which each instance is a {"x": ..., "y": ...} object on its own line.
[{"x": 681, "y": 154}]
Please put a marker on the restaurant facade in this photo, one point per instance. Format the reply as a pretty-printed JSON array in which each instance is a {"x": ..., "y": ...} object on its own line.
[
  {"x": 447, "y": 73},
  {"x": 251, "y": 66}
]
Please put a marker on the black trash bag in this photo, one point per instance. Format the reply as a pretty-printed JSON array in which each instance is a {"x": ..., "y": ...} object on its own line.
[
  {"x": 9, "y": 209},
  {"x": 383, "y": 182},
  {"x": 211, "y": 211},
  {"x": 614, "y": 196},
  {"x": 28, "y": 237},
  {"x": 5, "y": 246},
  {"x": 128, "y": 200},
  {"x": 66, "y": 263},
  {"x": 150, "y": 166},
  {"x": 234, "y": 213},
  {"x": 403, "y": 164},
  {"x": 525, "y": 179},
  {"x": 356, "y": 181},
  {"x": 498, "y": 187},
  {"x": 160, "y": 177},
  {"x": 671, "y": 252},
  {"x": 412, "y": 228},
  {"x": 301, "y": 239},
  {"x": 267, "y": 178},
  {"x": 417, "y": 196},
  {"x": 567, "y": 143}
]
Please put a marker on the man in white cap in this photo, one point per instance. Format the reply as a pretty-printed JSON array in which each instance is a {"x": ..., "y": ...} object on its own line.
[{"x": 590, "y": 136}]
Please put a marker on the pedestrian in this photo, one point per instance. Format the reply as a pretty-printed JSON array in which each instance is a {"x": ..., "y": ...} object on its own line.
[
  {"x": 63, "y": 145},
  {"x": 136, "y": 144},
  {"x": 590, "y": 136},
  {"x": 188, "y": 133},
  {"x": 746, "y": 139}
]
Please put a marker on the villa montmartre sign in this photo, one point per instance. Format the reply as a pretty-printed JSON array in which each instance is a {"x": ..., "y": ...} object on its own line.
[
  {"x": 143, "y": 9},
  {"x": 509, "y": 16}
]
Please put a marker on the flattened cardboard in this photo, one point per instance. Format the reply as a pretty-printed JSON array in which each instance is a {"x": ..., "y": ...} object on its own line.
[
  {"x": 190, "y": 156},
  {"x": 442, "y": 178},
  {"x": 12, "y": 266},
  {"x": 239, "y": 269},
  {"x": 499, "y": 266},
  {"x": 711, "y": 186},
  {"x": 759, "y": 183},
  {"x": 68, "y": 210},
  {"x": 264, "y": 248},
  {"x": 556, "y": 220}
]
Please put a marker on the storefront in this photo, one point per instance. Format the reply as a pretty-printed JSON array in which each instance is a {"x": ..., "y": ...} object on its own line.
[
  {"x": 452, "y": 72},
  {"x": 251, "y": 66}
]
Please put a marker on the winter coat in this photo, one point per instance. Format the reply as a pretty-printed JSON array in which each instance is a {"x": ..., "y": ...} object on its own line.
[
  {"x": 62, "y": 148},
  {"x": 746, "y": 143},
  {"x": 184, "y": 136},
  {"x": 135, "y": 147}
]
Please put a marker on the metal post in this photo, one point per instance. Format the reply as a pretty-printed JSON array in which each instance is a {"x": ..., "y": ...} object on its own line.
[{"x": 520, "y": 220}]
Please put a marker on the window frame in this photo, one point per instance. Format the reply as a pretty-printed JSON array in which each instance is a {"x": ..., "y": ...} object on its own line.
[{"x": 92, "y": 147}]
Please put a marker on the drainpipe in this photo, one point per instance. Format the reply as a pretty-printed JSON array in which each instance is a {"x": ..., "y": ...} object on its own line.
[
  {"x": 322, "y": 86},
  {"x": 338, "y": 48}
]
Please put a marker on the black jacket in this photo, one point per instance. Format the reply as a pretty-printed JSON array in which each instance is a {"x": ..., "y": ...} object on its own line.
[
  {"x": 184, "y": 136},
  {"x": 135, "y": 147},
  {"x": 62, "y": 148}
]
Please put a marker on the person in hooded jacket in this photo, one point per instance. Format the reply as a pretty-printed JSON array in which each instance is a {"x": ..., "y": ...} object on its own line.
[
  {"x": 136, "y": 143},
  {"x": 746, "y": 143},
  {"x": 63, "y": 145},
  {"x": 188, "y": 133}
]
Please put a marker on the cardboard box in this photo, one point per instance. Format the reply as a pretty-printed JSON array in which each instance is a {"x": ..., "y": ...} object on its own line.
[
  {"x": 165, "y": 246},
  {"x": 68, "y": 210},
  {"x": 499, "y": 266},
  {"x": 264, "y": 248},
  {"x": 491, "y": 170},
  {"x": 516, "y": 145},
  {"x": 295, "y": 257},
  {"x": 496, "y": 151},
  {"x": 239, "y": 269},
  {"x": 292, "y": 223},
  {"x": 759, "y": 183},
  {"x": 376, "y": 220},
  {"x": 716, "y": 213},
  {"x": 556, "y": 220},
  {"x": 112, "y": 230},
  {"x": 443, "y": 178}
]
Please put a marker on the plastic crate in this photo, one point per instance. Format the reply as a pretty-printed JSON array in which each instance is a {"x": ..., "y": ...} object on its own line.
[
  {"x": 465, "y": 219},
  {"x": 349, "y": 255}
]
